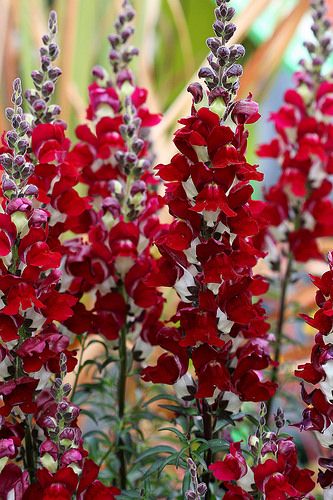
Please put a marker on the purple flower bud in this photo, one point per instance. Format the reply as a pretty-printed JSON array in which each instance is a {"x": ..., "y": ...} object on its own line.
[
  {"x": 49, "y": 447},
  {"x": 229, "y": 31},
  {"x": 213, "y": 44},
  {"x": 54, "y": 109},
  {"x": 138, "y": 187},
  {"x": 126, "y": 33},
  {"x": 130, "y": 14},
  {"x": 6, "y": 160},
  {"x": 137, "y": 145},
  {"x": 30, "y": 190},
  {"x": 75, "y": 411},
  {"x": 114, "y": 55},
  {"x": 112, "y": 205},
  {"x": 206, "y": 72},
  {"x": 197, "y": 92},
  {"x": 190, "y": 495},
  {"x": 63, "y": 406},
  {"x": 27, "y": 170},
  {"x": 58, "y": 382},
  {"x": 47, "y": 88},
  {"x": 37, "y": 76},
  {"x": 202, "y": 489},
  {"x": 99, "y": 72},
  {"x": 16, "y": 120},
  {"x": 235, "y": 71},
  {"x": 8, "y": 184},
  {"x": 123, "y": 76},
  {"x": 53, "y": 50},
  {"x": 218, "y": 27},
  {"x": 45, "y": 39},
  {"x": 237, "y": 51},
  {"x": 24, "y": 127},
  {"x": 11, "y": 137},
  {"x": 71, "y": 456},
  {"x": 131, "y": 158},
  {"x": 38, "y": 218},
  {"x": 67, "y": 389},
  {"x": 50, "y": 423},
  {"x": 22, "y": 146},
  {"x": 9, "y": 112},
  {"x": 54, "y": 73},
  {"x": 223, "y": 53},
  {"x": 7, "y": 448},
  {"x": 230, "y": 14},
  {"x": 45, "y": 62},
  {"x": 68, "y": 433},
  {"x": 19, "y": 161},
  {"x": 114, "y": 40},
  {"x": 17, "y": 87},
  {"x": 39, "y": 105}
]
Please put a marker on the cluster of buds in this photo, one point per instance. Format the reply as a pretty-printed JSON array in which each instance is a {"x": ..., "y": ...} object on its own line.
[
  {"x": 17, "y": 168},
  {"x": 319, "y": 51},
  {"x": 121, "y": 53},
  {"x": 45, "y": 78},
  {"x": 223, "y": 74}
]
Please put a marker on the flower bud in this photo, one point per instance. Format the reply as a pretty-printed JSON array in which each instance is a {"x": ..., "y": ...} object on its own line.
[
  {"x": 12, "y": 138},
  {"x": 202, "y": 489},
  {"x": 137, "y": 145},
  {"x": 54, "y": 73},
  {"x": 190, "y": 495},
  {"x": 38, "y": 218},
  {"x": 229, "y": 31},
  {"x": 138, "y": 187},
  {"x": 6, "y": 160},
  {"x": 9, "y": 112},
  {"x": 67, "y": 389},
  {"x": 39, "y": 105},
  {"x": 197, "y": 92},
  {"x": 8, "y": 185},
  {"x": 213, "y": 44},
  {"x": 53, "y": 51},
  {"x": 206, "y": 73},
  {"x": 30, "y": 190},
  {"x": 37, "y": 77},
  {"x": 47, "y": 88}
]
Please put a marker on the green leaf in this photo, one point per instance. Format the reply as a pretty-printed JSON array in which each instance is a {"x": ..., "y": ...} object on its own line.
[
  {"x": 154, "y": 451},
  {"x": 180, "y": 435}
]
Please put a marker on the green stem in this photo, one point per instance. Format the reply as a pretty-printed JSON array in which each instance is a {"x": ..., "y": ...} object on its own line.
[
  {"x": 208, "y": 434},
  {"x": 29, "y": 453},
  {"x": 121, "y": 403},
  {"x": 77, "y": 375},
  {"x": 279, "y": 328}
]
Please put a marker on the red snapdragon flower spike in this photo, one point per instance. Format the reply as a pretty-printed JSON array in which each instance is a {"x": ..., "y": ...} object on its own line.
[
  {"x": 318, "y": 415},
  {"x": 210, "y": 250},
  {"x": 122, "y": 222}
]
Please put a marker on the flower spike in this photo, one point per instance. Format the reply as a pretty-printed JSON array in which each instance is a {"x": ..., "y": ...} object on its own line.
[
  {"x": 17, "y": 168},
  {"x": 223, "y": 74},
  {"x": 321, "y": 48},
  {"x": 45, "y": 78},
  {"x": 121, "y": 52}
]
